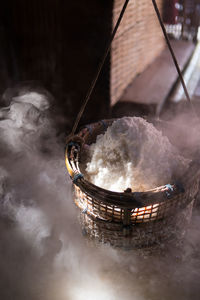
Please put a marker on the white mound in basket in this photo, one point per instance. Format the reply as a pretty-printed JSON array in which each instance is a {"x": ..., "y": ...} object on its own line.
[{"x": 133, "y": 154}]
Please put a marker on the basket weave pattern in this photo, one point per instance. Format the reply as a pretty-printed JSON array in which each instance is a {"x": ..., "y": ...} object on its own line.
[
  {"x": 113, "y": 213},
  {"x": 139, "y": 218},
  {"x": 136, "y": 237}
]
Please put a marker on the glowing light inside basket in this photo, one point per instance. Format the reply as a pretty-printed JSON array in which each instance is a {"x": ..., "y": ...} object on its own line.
[{"x": 147, "y": 212}]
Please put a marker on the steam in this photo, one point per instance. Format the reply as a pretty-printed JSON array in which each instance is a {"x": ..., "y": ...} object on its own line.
[{"x": 43, "y": 252}]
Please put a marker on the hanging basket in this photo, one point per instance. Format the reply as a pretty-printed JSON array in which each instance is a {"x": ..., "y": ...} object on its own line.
[{"x": 129, "y": 219}]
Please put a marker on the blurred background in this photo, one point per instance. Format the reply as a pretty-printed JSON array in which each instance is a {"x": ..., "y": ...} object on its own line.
[{"x": 58, "y": 45}]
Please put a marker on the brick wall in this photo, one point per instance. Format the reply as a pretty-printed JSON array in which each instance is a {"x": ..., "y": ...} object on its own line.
[{"x": 138, "y": 42}]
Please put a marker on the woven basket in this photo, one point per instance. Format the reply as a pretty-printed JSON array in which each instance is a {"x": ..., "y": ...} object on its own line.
[{"x": 129, "y": 219}]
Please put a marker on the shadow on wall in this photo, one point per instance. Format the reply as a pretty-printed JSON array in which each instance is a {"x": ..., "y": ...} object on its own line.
[{"x": 129, "y": 109}]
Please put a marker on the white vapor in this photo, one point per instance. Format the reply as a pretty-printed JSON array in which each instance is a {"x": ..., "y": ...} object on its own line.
[{"x": 43, "y": 252}]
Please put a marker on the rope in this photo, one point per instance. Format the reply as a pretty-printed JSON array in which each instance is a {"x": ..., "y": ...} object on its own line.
[
  {"x": 91, "y": 88},
  {"x": 88, "y": 95},
  {"x": 173, "y": 55}
]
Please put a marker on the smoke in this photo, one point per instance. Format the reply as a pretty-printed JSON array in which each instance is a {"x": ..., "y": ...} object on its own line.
[
  {"x": 181, "y": 124},
  {"x": 43, "y": 252}
]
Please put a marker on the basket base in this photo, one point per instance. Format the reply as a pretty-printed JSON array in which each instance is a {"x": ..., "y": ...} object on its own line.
[{"x": 138, "y": 236}]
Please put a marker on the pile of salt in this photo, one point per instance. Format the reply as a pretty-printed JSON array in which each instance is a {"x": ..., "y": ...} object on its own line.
[{"x": 133, "y": 154}]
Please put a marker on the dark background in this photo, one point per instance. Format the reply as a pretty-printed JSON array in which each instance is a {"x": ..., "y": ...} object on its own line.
[{"x": 58, "y": 45}]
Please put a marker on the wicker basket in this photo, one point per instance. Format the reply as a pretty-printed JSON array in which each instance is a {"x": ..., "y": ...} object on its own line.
[{"x": 130, "y": 219}]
